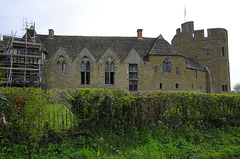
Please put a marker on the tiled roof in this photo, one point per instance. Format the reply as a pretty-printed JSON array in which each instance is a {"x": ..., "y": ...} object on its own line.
[
  {"x": 191, "y": 63},
  {"x": 73, "y": 45},
  {"x": 97, "y": 46}
]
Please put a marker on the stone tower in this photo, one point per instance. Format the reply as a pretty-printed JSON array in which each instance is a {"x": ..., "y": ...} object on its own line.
[{"x": 211, "y": 52}]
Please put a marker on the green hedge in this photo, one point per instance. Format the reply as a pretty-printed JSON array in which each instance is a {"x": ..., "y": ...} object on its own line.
[
  {"x": 99, "y": 109},
  {"x": 118, "y": 110}
]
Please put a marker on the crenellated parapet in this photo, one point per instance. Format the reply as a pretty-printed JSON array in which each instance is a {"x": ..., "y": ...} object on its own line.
[
  {"x": 209, "y": 49},
  {"x": 187, "y": 30}
]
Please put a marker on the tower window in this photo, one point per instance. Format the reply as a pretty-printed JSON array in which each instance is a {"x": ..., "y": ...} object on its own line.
[
  {"x": 226, "y": 89},
  {"x": 155, "y": 69},
  {"x": 177, "y": 85},
  {"x": 160, "y": 86},
  {"x": 177, "y": 70},
  {"x": 223, "y": 51}
]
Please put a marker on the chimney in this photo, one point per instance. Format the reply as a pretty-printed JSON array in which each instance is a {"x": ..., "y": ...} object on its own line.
[
  {"x": 139, "y": 33},
  {"x": 51, "y": 33}
]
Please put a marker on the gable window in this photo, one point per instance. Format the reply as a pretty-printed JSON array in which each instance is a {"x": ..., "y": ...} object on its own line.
[
  {"x": 58, "y": 66},
  {"x": 109, "y": 71},
  {"x": 166, "y": 65},
  {"x": 61, "y": 64},
  {"x": 133, "y": 77},
  {"x": 64, "y": 66},
  {"x": 85, "y": 71}
]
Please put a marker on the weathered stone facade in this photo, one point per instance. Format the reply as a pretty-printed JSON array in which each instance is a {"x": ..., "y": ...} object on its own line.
[
  {"x": 210, "y": 52},
  {"x": 138, "y": 63}
]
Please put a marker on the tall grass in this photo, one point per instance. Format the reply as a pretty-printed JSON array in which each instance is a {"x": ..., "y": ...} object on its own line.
[{"x": 147, "y": 143}]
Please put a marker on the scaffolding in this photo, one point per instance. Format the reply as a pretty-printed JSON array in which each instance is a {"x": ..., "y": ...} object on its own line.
[{"x": 21, "y": 59}]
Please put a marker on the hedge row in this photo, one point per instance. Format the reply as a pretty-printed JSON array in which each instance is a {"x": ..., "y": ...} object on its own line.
[{"x": 118, "y": 110}]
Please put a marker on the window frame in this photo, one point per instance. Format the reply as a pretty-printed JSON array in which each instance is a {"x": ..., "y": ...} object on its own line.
[
  {"x": 85, "y": 71},
  {"x": 61, "y": 64},
  {"x": 166, "y": 65},
  {"x": 109, "y": 71},
  {"x": 133, "y": 77}
]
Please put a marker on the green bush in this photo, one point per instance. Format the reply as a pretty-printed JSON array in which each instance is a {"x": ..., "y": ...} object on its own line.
[{"x": 119, "y": 110}]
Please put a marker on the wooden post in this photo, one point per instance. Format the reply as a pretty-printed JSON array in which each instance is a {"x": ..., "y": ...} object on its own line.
[
  {"x": 66, "y": 119},
  {"x": 53, "y": 119},
  {"x": 62, "y": 120},
  {"x": 70, "y": 120},
  {"x": 58, "y": 119}
]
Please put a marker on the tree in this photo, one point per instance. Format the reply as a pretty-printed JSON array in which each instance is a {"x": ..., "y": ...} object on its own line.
[{"x": 237, "y": 87}]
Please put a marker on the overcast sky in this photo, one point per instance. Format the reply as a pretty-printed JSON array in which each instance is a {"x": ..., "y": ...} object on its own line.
[{"x": 124, "y": 17}]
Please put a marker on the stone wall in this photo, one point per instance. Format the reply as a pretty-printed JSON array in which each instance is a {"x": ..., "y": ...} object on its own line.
[
  {"x": 150, "y": 73},
  {"x": 210, "y": 51}
]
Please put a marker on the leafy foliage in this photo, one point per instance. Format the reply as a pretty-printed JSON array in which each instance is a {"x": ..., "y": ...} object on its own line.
[
  {"x": 106, "y": 120},
  {"x": 119, "y": 110},
  {"x": 237, "y": 87}
]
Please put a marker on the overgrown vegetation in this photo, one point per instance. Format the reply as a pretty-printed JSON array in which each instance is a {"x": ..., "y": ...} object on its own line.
[{"x": 99, "y": 123}]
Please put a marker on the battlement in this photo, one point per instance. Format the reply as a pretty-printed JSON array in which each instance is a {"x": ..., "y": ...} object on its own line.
[{"x": 212, "y": 33}]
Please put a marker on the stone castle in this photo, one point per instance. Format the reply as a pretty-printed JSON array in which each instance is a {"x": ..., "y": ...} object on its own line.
[{"x": 191, "y": 63}]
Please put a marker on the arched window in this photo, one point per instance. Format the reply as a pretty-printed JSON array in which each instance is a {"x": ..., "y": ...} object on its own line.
[
  {"x": 58, "y": 66},
  {"x": 166, "y": 65},
  {"x": 85, "y": 71},
  {"x": 61, "y": 64},
  {"x": 109, "y": 71},
  {"x": 64, "y": 66}
]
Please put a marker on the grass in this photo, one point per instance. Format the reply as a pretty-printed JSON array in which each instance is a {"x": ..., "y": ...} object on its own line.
[{"x": 136, "y": 144}]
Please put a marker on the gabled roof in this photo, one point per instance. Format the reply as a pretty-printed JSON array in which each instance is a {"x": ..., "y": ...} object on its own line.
[
  {"x": 192, "y": 64},
  {"x": 73, "y": 45},
  {"x": 162, "y": 47},
  {"x": 97, "y": 46}
]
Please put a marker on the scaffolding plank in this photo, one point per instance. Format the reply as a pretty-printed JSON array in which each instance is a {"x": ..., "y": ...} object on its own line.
[
  {"x": 20, "y": 55},
  {"x": 29, "y": 69}
]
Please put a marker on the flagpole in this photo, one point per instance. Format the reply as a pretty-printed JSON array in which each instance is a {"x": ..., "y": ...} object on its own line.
[{"x": 185, "y": 13}]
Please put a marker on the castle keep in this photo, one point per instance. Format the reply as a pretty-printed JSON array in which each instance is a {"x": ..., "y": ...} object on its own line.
[{"x": 192, "y": 63}]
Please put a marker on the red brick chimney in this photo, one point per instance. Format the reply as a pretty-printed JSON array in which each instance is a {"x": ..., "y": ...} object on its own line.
[{"x": 139, "y": 33}]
